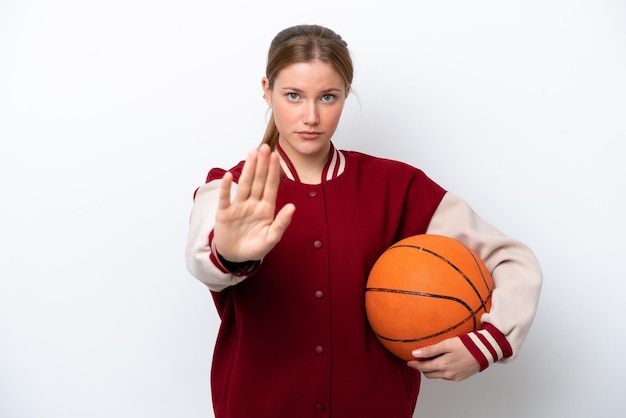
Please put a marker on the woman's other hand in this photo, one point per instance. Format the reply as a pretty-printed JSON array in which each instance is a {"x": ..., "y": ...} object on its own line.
[{"x": 448, "y": 359}]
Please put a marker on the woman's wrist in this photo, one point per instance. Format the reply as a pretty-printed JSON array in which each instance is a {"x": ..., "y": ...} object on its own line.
[{"x": 241, "y": 268}]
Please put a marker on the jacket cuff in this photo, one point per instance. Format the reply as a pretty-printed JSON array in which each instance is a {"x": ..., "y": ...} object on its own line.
[
  {"x": 243, "y": 269},
  {"x": 488, "y": 345}
]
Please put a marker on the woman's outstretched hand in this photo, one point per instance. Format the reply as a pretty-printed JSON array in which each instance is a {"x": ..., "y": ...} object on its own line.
[{"x": 246, "y": 228}]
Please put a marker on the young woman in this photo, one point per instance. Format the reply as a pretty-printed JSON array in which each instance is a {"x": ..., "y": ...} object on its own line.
[{"x": 285, "y": 242}]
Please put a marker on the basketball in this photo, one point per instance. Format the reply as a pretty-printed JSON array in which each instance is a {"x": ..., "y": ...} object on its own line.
[{"x": 424, "y": 289}]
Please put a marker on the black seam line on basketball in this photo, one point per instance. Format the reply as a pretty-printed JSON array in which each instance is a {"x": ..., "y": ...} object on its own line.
[
  {"x": 426, "y": 337},
  {"x": 430, "y": 295},
  {"x": 472, "y": 313},
  {"x": 451, "y": 264},
  {"x": 482, "y": 276}
]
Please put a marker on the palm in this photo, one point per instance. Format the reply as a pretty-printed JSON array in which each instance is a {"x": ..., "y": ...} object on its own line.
[{"x": 246, "y": 228}]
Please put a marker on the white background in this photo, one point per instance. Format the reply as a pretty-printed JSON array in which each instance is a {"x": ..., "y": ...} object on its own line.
[{"x": 112, "y": 112}]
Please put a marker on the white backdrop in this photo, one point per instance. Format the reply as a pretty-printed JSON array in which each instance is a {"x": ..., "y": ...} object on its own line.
[{"x": 111, "y": 113}]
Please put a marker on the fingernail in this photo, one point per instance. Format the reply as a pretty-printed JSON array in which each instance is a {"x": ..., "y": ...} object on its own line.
[{"x": 417, "y": 353}]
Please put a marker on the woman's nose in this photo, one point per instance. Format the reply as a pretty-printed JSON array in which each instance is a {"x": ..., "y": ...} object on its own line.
[{"x": 311, "y": 114}]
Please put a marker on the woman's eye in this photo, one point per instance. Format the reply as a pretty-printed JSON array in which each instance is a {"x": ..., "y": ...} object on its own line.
[
  {"x": 328, "y": 98},
  {"x": 293, "y": 96}
]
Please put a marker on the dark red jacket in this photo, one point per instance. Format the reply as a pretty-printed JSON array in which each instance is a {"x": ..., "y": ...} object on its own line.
[{"x": 294, "y": 340}]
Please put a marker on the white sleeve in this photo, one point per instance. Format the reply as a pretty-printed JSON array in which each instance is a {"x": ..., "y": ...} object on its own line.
[
  {"x": 198, "y": 253},
  {"x": 515, "y": 270}
]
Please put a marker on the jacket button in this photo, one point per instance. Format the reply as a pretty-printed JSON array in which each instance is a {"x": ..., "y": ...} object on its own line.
[
  {"x": 319, "y": 349},
  {"x": 317, "y": 244},
  {"x": 319, "y": 294},
  {"x": 312, "y": 193},
  {"x": 319, "y": 408}
]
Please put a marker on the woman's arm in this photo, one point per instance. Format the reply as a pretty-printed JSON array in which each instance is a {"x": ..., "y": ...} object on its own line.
[
  {"x": 228, "y": 237},
  {"x": 515, "y": 270},
  {"x": 517, "y": 278}
]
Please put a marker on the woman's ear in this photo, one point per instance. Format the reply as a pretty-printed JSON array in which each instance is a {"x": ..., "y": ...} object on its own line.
[{"x": 267, "y": 94}]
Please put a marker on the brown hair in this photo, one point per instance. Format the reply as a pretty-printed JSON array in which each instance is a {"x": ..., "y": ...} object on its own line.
[{"x": 305, "y": 43}]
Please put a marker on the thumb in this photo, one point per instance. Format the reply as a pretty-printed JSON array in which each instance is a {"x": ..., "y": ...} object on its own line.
[
  {"x": 430, "y": 351},
  {"x": 282, "y": 220}
]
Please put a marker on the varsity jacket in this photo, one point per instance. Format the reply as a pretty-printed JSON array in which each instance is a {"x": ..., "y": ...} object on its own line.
[{"x": 294, "y": 340}]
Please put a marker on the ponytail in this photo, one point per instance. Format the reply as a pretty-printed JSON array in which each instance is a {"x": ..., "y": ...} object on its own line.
[{"x": 271, "y": 134}]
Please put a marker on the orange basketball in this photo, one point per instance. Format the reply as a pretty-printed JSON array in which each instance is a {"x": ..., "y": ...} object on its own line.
[{"x": 424, "y": 289}]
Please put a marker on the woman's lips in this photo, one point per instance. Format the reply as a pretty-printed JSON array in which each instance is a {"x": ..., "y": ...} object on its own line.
[{"x": 309, "y": 134}]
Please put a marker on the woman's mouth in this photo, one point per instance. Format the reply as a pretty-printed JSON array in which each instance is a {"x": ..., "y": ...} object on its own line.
[{"x": 309, "y": 134}]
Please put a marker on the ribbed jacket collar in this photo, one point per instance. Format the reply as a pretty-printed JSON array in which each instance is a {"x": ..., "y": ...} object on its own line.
[{"x": 334, "y": 167}]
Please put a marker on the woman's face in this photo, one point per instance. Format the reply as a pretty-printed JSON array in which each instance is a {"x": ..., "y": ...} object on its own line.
[{"x": 307, "y": 100}]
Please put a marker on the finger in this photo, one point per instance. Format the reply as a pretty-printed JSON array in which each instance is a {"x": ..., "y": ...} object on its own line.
[
  {"x": 247, "y": 175},
  {"x": 426, "y": 353},
  {"x": 428, "y": 367},
  {"x": 224, "y": 197},
  {"x": 273, "y": 179},
  {"x": 434, "y": 375},
  {"x": 282, "y": 221},
  {"x": 421, "y": 367},
  {"x": 431, "y": 351},
  {"x": 259, "y": 181}
]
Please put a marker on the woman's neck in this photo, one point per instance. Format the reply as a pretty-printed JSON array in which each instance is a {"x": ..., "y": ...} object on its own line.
[
  {"x": 308, "y": 167},
  {"x": 311, "y": 175}
]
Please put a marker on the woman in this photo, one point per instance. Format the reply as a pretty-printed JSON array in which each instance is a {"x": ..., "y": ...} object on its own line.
[{"x": 285, "y": 242}]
